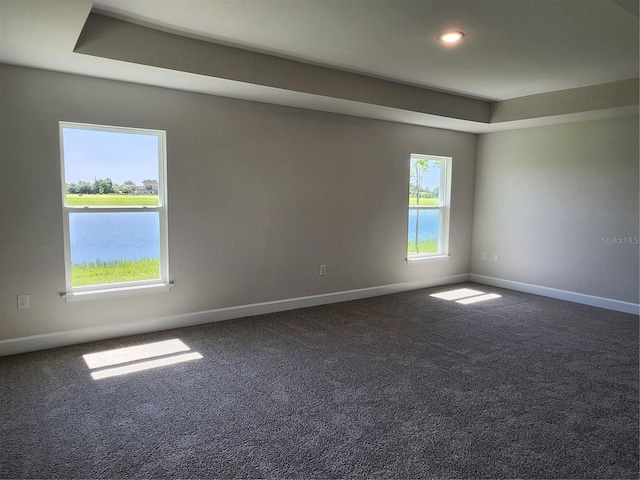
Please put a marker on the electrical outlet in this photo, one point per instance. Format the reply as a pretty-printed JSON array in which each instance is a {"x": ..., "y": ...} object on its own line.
[
  {"x": 323, "y": 269},
  {"x": 484, "y": 255},
  {"x": 495, "y": 257},
  {"x": 23, "y": 302}
]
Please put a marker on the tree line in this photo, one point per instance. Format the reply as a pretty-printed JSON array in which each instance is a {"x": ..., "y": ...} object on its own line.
[
  {"x": 423, "y": 192},
  {"x": 103, "y": 186}
]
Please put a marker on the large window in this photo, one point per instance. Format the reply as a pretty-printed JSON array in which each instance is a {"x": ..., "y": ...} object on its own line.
[
  {"x": 429, "y": 194},
  {"x": 114, "y": 201}
]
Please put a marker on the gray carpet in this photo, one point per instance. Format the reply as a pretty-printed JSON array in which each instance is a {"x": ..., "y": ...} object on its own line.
[{"x": 400, "y": 386}]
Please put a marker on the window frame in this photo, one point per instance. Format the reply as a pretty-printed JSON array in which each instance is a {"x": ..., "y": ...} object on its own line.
[
  {"x": 160, "y": 284},
  {"x": 443, "y": 207}
]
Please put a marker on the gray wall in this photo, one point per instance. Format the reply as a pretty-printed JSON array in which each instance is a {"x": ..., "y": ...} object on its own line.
[
  {"x": 545, "y": 198},
  {"x": 259, "y": 197}
]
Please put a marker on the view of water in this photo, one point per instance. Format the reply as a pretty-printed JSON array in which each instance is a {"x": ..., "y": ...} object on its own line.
[
  {"x": 135, "y": 235},
  {"x": 114, "y": 236},
  {"x": 428, "y": 226}
]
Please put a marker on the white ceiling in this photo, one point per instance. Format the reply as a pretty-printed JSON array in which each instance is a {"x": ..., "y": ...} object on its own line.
[{"x": 512, "y": 48}]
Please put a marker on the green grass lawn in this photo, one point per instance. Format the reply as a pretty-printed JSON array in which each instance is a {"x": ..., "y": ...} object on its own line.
[
  {"x": 426, "y": 246},
  {"x": 114, "y": 200},
  {"x": 100, "y": 273},
  {"x": 423, "y": 201}
]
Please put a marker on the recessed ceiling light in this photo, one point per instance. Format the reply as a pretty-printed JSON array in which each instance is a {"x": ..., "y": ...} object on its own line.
[{"x": 450, "y": 37}]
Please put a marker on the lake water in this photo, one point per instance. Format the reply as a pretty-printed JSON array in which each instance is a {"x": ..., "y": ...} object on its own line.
[
  {"x": 114, "y": 236},
  {"x": 135, "y": 235},
  {"x": 429, "y": 224}
]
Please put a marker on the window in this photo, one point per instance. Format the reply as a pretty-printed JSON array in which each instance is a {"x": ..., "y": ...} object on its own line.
[
  {"x": 114, "y": 202},
  {"x": 429, "y": 194}
]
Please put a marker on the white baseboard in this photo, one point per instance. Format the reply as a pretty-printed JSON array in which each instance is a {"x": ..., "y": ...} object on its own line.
[
  {"x": 608, "y": 303},
  {"x": 74, "y": 337}
]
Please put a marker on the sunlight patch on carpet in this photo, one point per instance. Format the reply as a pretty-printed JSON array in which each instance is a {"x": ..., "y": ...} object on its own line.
[
  {"x": 478, "y": 298},
  {"x": 456, "y": 294},
  {"x": 137, "y": 358},
  {"x": 465, "y": 296}
]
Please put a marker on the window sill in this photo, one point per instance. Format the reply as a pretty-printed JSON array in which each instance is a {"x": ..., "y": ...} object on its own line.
[
  {"x": 418, "y": 259},
  {"x": 102, "y": 293}
]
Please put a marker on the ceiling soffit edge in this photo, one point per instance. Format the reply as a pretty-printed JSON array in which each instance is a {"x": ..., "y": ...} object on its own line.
[{"x": 117, "y": 39}]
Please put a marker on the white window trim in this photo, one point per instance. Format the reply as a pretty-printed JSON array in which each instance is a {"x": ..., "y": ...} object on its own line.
[
  {"x": 120, "y": 291},
  {"x": 91, "y": 292},
  {"x": 444, "y": 207}
]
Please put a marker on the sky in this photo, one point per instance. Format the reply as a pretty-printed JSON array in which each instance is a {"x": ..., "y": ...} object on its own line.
[
  {"x": 94, "y": 154},
  {"x": 430, "y": 178}
]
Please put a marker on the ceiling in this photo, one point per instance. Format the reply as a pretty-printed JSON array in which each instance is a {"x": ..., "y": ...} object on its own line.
[{"x": 511, "y": 49}]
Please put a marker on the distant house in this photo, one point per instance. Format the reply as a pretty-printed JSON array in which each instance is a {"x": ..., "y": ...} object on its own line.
[{"x": 142, "y": 190}]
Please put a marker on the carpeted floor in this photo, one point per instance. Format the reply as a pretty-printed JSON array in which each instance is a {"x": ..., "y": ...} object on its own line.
[{"x": 400, "y": 386}]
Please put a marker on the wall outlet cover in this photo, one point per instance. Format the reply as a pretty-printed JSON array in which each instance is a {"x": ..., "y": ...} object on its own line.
[{"x": 23, "y": 302}]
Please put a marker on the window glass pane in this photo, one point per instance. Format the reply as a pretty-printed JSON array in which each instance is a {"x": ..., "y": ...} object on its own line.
[
  {"x": 111, "y": 247},
  {"x": 424, "y": 181},
  {"x": 424, "y": 231},
  {"x": 110, "y": 169}
]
